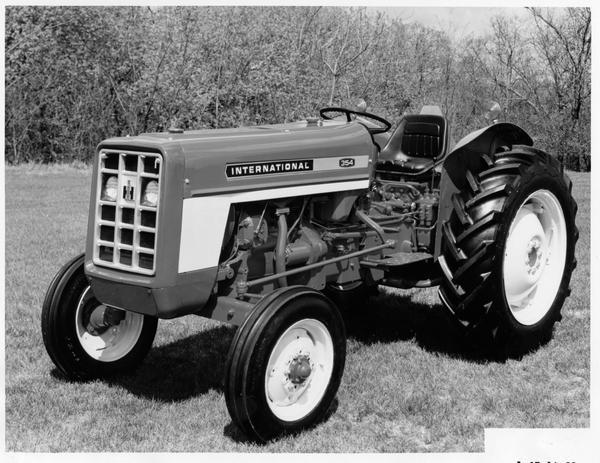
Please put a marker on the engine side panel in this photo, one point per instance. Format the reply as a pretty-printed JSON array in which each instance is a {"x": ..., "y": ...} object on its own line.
[{"x": 204, "y": 219}]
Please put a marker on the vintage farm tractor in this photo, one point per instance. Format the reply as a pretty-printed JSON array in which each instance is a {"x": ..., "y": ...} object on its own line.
[{"x": 279, "y": 229}]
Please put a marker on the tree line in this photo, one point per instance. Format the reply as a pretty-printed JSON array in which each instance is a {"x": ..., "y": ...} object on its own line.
[{"x": 77, "y": 75}]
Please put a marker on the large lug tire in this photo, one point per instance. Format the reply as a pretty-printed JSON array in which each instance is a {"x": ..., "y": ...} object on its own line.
[
  {"x": 285, "y": 364},
  {"x": 508, "y": 251},
  {"x": 79, "y": 351}
]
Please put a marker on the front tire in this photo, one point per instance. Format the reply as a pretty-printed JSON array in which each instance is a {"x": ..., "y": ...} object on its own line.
[
  {"x": 285, "y": 364},
  {"x": 508, "y": 251},
  {"x": 86, "y": 339}
]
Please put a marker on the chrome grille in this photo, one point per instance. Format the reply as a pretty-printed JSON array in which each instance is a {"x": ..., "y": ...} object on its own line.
[{"x": 125, "y": 229}]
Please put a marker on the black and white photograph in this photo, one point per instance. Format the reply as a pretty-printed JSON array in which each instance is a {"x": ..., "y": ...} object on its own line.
[{"x": 326, "y": 229}]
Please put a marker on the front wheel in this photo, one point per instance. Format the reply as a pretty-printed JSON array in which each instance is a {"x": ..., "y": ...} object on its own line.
[
  {"x": 285, "y": 364},
  {"x": 86, "y": 339},
  {"x": 508, "y": 250}
]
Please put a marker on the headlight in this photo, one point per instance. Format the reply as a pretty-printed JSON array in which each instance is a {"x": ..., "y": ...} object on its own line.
[
  {"x": 109, "y": 191},
  {"x": 150, "y": 196}
]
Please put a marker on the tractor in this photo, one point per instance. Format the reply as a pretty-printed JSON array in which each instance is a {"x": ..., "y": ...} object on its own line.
[{"x": 281, "y": 229}]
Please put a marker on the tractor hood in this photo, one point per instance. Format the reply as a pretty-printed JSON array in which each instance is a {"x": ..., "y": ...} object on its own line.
[
  {"x": 197, "y": 176},
  {"x": 222, "y": 161}
]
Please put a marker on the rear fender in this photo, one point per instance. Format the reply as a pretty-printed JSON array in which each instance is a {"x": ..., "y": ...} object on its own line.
[
  {"x": 488, "y": 139},
  {"x": 466, "y": 155}
]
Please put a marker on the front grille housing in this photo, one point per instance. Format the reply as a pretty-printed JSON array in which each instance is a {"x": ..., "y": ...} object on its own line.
[{"x": 125, "y": 230}]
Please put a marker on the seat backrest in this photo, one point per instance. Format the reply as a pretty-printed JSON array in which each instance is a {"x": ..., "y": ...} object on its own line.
[
  {"x": 417, "y": 135},
  {"x": 421, "y": 139}
]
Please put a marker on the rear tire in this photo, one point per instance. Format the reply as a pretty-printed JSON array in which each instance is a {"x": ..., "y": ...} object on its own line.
[
  {"x": 285, "y": 364},
  {"x": 83, "y": 353},
  {"x": 508, "y": 251}
]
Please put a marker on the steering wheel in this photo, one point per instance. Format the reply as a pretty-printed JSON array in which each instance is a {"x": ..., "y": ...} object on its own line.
[{"x": 373, "y": 123}]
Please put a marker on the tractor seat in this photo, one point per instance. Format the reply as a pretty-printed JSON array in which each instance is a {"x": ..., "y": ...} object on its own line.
[{"x": 418, "y": 141}]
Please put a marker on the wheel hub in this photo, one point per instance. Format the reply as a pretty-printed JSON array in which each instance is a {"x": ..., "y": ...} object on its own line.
[
  {"x": 524, "y": 255},
  {"x": 300, "y": 369},
  {"x": 534, "y": 257},
  {"x": 105, "y": 333},
  {"x": 97, "y": 319}
]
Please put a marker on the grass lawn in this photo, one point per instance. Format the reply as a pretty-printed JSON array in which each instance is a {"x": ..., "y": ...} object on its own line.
[{"x": 406, "y": 387}]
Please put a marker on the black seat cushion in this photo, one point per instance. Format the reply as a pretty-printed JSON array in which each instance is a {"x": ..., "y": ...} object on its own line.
[
  {"x": 416, "y": 143},
  {"x": 421, "y": 139}
]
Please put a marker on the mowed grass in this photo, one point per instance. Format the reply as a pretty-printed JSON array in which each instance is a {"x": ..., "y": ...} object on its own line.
[{"x": 408, "y": 386}]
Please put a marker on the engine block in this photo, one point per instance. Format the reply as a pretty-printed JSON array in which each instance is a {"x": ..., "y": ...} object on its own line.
[{"x": 415, "y": 204}]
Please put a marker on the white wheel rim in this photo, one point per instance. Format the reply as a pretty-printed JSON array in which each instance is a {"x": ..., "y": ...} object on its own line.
[
  {"x": 308, "y": 340},
  {"x": 114, "y": 343},
  {"x": 534, "y": 257}
]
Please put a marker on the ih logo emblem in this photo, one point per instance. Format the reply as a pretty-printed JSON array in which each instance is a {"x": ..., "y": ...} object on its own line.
[
  {"x": 347, "y": 162},
  {"x": 128, "y": 191}
]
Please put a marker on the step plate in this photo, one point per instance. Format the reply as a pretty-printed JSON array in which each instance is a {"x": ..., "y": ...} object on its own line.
[{"x": 399, "y": 259}]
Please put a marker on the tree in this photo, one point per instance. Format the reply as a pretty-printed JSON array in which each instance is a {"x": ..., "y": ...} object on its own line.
[{"x": 77, "y": 75}]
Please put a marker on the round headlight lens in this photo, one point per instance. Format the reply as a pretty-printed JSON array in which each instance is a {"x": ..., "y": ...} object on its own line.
[
  {"x": 150, "y": 196},
  {"x": 109, "y": 192}
]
